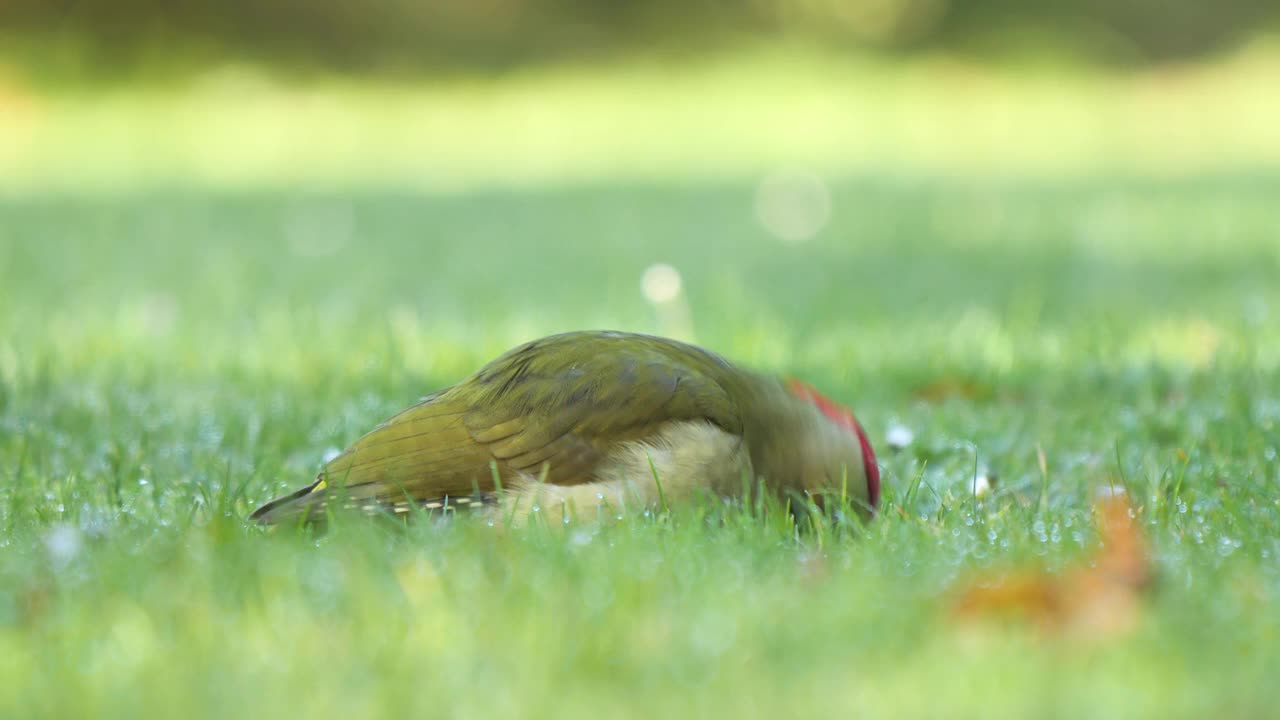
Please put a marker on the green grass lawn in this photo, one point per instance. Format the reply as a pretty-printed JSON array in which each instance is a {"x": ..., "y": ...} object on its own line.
[{"x": 171, "y": 355}]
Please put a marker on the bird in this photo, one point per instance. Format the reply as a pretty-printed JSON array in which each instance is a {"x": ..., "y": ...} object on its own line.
[{"x": 584, "y": 423}]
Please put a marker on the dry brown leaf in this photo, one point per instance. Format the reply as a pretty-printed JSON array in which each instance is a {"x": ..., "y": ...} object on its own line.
[
  {"x": 1100, "y": 597},
  {"x": 946, "y": 388}
]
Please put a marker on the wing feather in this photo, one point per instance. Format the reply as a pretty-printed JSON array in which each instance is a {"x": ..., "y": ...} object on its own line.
[{"x": 541, "y": 405}]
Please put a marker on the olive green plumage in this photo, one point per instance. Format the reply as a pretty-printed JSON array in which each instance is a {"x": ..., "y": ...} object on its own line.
[{"x": 558, "y": 408}]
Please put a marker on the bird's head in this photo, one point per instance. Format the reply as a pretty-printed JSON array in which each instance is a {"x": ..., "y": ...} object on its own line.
[{"x": 837, "y": 450}]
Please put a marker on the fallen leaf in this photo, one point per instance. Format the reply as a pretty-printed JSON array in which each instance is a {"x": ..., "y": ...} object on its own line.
[
  {"x": 947, "y": 388},
  {"x": 1101, "y": 597}
]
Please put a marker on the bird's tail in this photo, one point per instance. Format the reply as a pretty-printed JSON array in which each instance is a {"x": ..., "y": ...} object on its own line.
[
  {"x": 293, "y": 505},
  {"x": 311, "y": 504}
]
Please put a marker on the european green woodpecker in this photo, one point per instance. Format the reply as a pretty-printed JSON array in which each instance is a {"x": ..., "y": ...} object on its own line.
[{"x": 585, "y": 423}]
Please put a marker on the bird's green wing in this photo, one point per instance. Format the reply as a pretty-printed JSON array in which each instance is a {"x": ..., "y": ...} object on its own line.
[{"x": 554, "y": 408}]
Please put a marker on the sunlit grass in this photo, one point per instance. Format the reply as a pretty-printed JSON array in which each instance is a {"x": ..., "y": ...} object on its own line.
[
  {"x": 713, "y": 119},
  {"x": 204, "y": 290},
  {"x": 168, "y": 359}
]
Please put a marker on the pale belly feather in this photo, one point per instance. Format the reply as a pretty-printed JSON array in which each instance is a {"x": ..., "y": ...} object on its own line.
[{"x": 684, "y": 460}]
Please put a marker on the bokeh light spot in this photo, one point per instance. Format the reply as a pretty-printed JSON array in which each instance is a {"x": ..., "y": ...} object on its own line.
[
  {"x": 793, "y": 205},
  {"x": 660, "y": 283}
]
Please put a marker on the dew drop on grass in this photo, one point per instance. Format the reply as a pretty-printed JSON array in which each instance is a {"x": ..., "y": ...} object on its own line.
[
  {"x": 899, "y": 436},
  {"x": 63, "y": 543},
  {"x": 981, "y": 485},
  {"x": 1227, "y": 545}
]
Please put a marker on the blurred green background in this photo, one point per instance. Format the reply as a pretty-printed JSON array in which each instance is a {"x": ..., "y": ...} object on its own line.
[
  {"x": 1035, "y": 242},
  {"x": 400, "y": 36},
  {"x": 449, "y": 95}
]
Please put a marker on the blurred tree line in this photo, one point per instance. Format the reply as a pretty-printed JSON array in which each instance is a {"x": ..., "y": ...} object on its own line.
[{"x": 409, "y": 35}]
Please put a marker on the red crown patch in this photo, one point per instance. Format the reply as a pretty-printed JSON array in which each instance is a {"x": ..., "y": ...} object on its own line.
[{"x": 841, "y": 415}]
